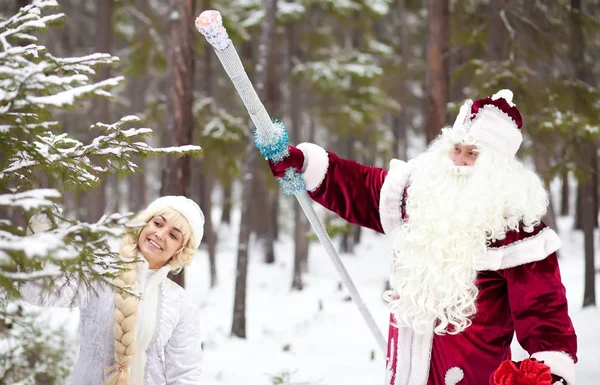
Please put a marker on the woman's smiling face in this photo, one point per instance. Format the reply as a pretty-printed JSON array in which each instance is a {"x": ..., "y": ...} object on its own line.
[{"x": 159, "y": 241}]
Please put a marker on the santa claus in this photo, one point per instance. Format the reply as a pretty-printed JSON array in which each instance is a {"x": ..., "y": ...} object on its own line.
[{"x": 473, "y": 262}]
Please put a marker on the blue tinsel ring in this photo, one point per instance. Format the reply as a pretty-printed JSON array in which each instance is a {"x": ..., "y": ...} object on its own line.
[
  {"x": 273, "y": 145},
  {"x": 292, "y": 182}
]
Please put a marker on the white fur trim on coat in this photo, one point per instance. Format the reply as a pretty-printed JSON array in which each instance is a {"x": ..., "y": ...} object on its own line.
[
  {"x": 390, "y": 199},
  {"x": 560, "y": 363},
  {"x": 532, "y": 249},
  {"x": 414, "y": 351},
  {"x": 316, "y": 163}
]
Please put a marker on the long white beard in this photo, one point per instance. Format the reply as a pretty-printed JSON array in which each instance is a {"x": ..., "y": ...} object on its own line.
[{"x": 453, "y": 213}]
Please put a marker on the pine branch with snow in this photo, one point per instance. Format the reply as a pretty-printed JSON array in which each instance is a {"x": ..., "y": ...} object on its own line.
[{"x": 39, "y": 162}]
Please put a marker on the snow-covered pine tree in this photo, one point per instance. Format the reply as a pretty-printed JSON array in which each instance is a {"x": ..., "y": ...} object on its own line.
[{"x": 38, "y": 162}]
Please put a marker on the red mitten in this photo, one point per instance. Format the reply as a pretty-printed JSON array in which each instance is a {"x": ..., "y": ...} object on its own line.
[
  {"x": 295, "y": 160},
  {"x": 526, "y": 372},
  {"x": 506, "y": 374}
]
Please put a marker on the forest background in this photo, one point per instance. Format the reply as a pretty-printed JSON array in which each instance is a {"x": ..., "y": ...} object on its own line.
[{"x": 370, "y": 80}]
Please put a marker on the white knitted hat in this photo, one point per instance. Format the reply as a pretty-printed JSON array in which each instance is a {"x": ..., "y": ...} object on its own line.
[{"x": 186, "y": 207}]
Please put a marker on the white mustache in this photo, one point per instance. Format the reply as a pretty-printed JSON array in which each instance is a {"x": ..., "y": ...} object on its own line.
[{"x": 462, "y": 170}]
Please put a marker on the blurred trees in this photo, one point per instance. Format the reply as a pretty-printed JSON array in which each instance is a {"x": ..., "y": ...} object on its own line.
[{"x": 368, "y": 79}]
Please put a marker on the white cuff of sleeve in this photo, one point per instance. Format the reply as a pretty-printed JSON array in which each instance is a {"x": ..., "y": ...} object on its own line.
[
  {"x": 316, "y": 163},
  {"x": 560, "y": 363}
]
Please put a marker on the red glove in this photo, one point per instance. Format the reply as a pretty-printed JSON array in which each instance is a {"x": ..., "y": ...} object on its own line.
[
  {"x": 526, "y": 372},
  {"x": 295, "y": 160}
]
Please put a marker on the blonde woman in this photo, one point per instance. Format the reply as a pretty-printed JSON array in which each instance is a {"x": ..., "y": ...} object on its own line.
[{"x": 147, "y": 339}]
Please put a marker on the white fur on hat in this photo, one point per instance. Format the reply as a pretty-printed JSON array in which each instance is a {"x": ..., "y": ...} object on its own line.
[
  {"x": 491, "y": 125},
  {"x": 186, "y": 207}
]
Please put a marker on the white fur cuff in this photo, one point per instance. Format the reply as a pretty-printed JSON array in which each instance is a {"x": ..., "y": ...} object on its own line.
[
  {"x": 316, "y": 163},
  {"x": 390, "y": 199},
  {"x": 560, "y": 363},
  {"x": 532, "y": 249}
]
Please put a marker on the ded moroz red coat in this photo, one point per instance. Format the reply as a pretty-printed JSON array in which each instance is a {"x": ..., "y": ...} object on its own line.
[{"x": 520, "y": 288}]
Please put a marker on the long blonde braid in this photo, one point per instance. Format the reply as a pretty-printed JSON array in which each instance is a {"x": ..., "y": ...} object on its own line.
[{"x": 126, "y": 306}]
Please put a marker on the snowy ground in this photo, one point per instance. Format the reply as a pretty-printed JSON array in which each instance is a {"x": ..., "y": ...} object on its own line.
[{"x": 317, "y": 337}]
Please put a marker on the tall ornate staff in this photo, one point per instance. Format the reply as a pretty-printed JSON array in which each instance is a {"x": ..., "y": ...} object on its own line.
[{"x": 272, "y": 140}]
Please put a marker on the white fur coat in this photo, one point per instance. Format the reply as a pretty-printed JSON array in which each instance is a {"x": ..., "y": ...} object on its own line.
[{"x": 168, "y": 342}]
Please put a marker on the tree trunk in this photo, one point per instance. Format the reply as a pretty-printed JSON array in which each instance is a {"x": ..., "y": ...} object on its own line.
[
  {"x": 438, "y": 33},
  {"x": 227, "y": 201},
  {"x": 275, "y": 216},
  {"x": 295, "y": 104},
  {"x": 259, "y": 210},
  {"x": 208, "y": 180},
  {"x": 497, "y": 36},
  {"x": 202, "y": 192},
  {"x": 137, "y": 194},
  {"x": 138, "y": 86},
  {"x": 565, "y": 194},
  {"x": 356, "y": 235},
  {"x": 72, "y": 200},
  {"x": 238, "y": 327},
  {"x": 578, "y": 223},
  {"x": 272, "y": 97},
  {"x": 587, "y": 207},
  {"x": 262, "y": 211},
  {"x": 312, "y": 130},
  {"x": 175, "y": 178},
  {"x": 348, "y": 142},
  {"x": 301, "y": 244},
  {"x": 587, "y": 197},
  {"x": 400, "y": 131},
  {"x": 400, "y": 122},
  {"x": 210, "y": 233},
  {"x": 95, "y": 201},
  {"x": 347, "y": 240},
  {"x": 106, "y": 194},
  {"x": 542, "y": 164}
]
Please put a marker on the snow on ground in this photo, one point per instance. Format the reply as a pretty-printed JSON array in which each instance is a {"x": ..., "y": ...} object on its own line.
[
  {"x": 287, "y": 333},
  {"x": 317, "y": 336}
]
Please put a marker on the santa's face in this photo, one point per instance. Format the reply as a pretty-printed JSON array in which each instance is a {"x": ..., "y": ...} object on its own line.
[{"x": 464, "y": 155}]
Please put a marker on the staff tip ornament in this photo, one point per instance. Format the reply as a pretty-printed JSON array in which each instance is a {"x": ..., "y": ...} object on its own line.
[{"x": 210, "y": 24}]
